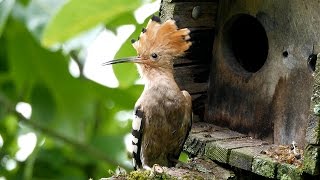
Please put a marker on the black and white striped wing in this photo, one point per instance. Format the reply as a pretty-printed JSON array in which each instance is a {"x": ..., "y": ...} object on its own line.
[{"x": 137, "y": 132}]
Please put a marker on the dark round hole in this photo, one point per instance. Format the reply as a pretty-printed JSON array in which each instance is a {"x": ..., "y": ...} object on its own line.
[
  {"x": 285, "y": 54},
  {"x": 248, "y": 41}
]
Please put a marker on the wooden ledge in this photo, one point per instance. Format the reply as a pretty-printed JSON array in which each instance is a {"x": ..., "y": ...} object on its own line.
[
  {"x": 238, "y": 150},
  {"x": 196, "y": 168}
]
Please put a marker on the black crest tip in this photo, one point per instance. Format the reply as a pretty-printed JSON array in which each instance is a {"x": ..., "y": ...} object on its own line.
[
  {"x": 144, "y": 30},
  {"x": 133, "y": 41},
  {"x": 155, "y": 18}
]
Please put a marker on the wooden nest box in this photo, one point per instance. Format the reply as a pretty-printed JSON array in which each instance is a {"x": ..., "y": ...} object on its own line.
[{"x": 254, "y": 79}]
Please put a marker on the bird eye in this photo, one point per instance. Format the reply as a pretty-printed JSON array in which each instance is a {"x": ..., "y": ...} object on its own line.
[{"x": 154, "y": 56}]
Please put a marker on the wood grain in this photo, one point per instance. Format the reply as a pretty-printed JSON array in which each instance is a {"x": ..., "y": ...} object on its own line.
[{"x": 239, "y": 150}]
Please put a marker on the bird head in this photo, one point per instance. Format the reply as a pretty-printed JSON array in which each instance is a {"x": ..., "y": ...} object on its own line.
[{"x": 157, "y": 46}]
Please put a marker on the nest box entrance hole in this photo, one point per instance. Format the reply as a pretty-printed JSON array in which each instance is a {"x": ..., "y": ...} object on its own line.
[
  {"x": 235, "y": 91},
  {"x": 247, "y": 40}
]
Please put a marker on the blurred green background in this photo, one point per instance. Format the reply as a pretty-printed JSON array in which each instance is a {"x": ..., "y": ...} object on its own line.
[{"x": 77, "y": 126}]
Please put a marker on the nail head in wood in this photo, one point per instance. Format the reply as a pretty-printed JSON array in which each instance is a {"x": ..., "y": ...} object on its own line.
[{"x": 196, "y": 12}]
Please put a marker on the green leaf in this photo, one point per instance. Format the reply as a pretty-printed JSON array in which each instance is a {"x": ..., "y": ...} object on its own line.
[
  {"x": 10, "y": 124},
  {"x": 3, "y": 57},
  {"x": 111, "y": 145},
  {"x": 24, "y": 2},
  {"x": 31, "y": 64},
  {"x": 183, "y": 157},
  {"x": 8, "y": 130},
  {"x": 43, "y": 104},
  {"x": 54, "y": 163},
  {"x": 70, "y": 111},
  {"x": 38, "y": 13},
  {"x": 127, "y": 73},
  {"x": 5, "y": 9},
  {"x": 78, "y": 16},
  {"x": 121, "y": 19},
  {"x": 73, "y": 100}
]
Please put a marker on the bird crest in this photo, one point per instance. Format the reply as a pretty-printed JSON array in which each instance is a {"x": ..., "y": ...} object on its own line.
[
  {"x": 157, "y": 46},
  {"x": 162, "y": 39}
]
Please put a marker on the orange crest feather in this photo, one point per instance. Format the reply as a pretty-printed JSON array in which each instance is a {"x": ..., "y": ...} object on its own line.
[{"x": 165, "y": 38}]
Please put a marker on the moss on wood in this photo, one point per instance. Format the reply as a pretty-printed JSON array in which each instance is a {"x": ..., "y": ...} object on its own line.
[
  {"x": 264, "y": 166},
  {"x": 311, "y": 161}
]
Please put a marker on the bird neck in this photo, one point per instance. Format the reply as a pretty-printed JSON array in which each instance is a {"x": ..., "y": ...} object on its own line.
[{"x": 157, "y": 77}]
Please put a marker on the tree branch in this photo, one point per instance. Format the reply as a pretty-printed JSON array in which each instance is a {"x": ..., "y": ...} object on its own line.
[{"x": 93, "y": 152}]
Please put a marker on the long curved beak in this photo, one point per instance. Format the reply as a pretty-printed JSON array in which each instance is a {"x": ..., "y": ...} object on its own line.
[{"x": 133, "y": 59}]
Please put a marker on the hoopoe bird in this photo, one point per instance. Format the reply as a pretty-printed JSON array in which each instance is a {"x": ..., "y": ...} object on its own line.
[{"x": 163, "y": 114}]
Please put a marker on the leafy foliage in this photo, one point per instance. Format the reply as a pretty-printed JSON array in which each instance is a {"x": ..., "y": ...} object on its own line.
[
  {"x": 74, "y": 119},
  {"x": 78, "y": 15}
]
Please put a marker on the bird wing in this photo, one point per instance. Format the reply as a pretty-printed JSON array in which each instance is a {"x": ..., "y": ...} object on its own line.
[
  {"x": 188, "y": 118},
  {"x": 137, "y": 131}
]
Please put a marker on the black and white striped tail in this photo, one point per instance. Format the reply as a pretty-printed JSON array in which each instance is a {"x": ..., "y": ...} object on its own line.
[{"x": 137, "y": 130}]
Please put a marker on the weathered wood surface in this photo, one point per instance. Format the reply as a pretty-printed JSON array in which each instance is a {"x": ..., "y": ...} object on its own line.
[
  {"x": 239, "y": 150},
  {"x": 189, "y": 81},
  {"x": 243, "y": 157},
  {"x": 313, "y": 128},
  {"x": 196, "y": 168},
  {"x": 205, "y": 169},
  {"x": 184, "y": 13},
  {"x": 273, "y": 102},
  {"x": 192, "y": 71},
  {"x": 220, "y": 150}
]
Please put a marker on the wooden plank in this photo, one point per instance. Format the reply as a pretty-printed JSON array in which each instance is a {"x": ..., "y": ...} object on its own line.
[
  {"x": 243, "y": 157},
  {"x": 220, "y": 150},
  {"x": 182, "y": 13},
  {"x": 207, "y": 167},
  {"x": 241, "y": 151},
  {"x": 196, "y": 142},
  {"x": 192, "y": 78},
  {"x": 205, "y": 127},
  {"x": 201, "y": 50},
  {"x": 182, "y": 61},
  {"x": 197, "y": 169},
  {"x": 311, "y": 162},
  {"x": 219, "y": 135},
  {"x": 313, "y": 130},
  {"x": 264, "y": 166},
  {"x": 202, "y": 44},
  {"x": 199, "y": 108},
  {"x": 206, "y": 18},
  {"x": 193, "y": 146}
]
